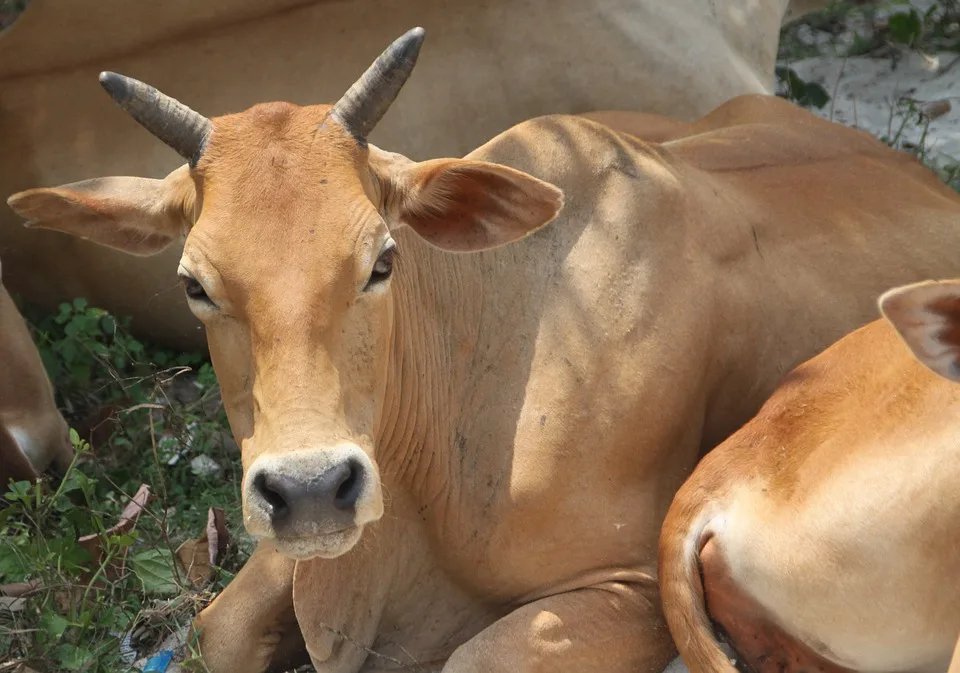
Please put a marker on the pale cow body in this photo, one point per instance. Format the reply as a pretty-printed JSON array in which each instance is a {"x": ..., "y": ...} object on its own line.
[
  {"x": 33, "y": 434},
  {"x": 825, "y": 530},
  {"x": 492, "y": 64},
  {"x": 513, "y": 423}
]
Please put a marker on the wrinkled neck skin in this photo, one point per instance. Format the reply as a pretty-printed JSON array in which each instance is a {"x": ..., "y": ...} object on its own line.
[
  {"x": 399, "y": 561},
  {"x": 435, "y": 325},
  {"x": 485, "y": 420},
  {"x": 432, "y": 321}
]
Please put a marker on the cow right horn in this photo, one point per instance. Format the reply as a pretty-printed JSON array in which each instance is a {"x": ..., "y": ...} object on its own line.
[
  {"x": 168, "y": 119},
  {"x": 365, "y": 103}
]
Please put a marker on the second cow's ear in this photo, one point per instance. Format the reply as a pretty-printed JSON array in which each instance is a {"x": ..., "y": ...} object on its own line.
[
  {"x": 927, "y": 317},
  {"x": 140, "y": 216}
]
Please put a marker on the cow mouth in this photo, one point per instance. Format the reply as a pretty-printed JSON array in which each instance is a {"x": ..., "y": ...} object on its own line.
[{"x": 327, "y": 545}]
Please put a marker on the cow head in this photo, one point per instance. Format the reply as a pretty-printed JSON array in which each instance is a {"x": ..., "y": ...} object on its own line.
[
  {"x": 33, "y": 435},
  {"x": 288, "y": 261},
  {"x": 927, "y": 317}
]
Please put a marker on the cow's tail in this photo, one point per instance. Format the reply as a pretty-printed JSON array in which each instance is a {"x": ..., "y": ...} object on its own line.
[{"x": 681, "y": 589}]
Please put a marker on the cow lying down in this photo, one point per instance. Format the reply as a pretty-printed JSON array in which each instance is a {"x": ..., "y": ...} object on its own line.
[
  {"x": 33, "y": 433},
  {"x": 467, "y": 389},
  {"x": 825, "y": 534}
]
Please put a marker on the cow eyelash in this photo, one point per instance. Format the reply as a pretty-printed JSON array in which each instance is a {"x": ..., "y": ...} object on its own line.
[
  {"x": 193, "y": 289},
  {"x": 383, "y": 268}
]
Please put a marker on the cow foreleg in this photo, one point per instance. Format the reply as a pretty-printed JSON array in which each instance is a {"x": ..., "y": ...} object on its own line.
[
  {"x": 251, "y": 627},
  {"x": 610, "y": 628}
]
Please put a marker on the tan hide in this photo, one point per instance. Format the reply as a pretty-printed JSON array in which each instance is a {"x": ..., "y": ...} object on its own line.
[{"x": 478, "y": 452}]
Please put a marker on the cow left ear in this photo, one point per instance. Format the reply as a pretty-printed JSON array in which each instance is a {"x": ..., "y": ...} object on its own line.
[
  {"x": 139, "y": 216},
  {"x": 927, "y": 317},
  {"x": 460, "y": 205}
]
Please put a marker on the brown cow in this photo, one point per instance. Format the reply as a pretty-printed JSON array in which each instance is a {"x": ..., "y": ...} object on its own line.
[
  {"x": 33, "y": 434},
  {"x": 927, "y": 316},
  {"x": 493, "y": 64},
  {"x": 822, "y": 536},
  {"x": 460, "y": 459}
]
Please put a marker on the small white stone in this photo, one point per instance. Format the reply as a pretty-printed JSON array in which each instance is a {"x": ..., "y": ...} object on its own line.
[{"x": 205, "y": 466}]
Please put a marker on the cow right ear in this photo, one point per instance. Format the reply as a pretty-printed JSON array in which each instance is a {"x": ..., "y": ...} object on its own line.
[
  {"x": 139, "y": 216},
  {"x": 927, "y": 317}
]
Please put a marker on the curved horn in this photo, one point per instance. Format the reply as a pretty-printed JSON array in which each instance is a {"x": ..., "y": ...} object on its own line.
[
  {"x": 368, "y": 99},
  {"x": 168, "y": 119}
]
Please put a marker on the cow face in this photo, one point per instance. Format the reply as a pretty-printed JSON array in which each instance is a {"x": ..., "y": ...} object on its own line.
[{"x": 291, "y": 263}]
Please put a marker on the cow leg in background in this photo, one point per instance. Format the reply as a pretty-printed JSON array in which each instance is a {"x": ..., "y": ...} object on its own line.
[
  {"x": 612, "y": 627},
  {"x": 251, "y": 626}
]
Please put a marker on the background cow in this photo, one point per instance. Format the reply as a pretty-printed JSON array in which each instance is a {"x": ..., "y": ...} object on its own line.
[{"x": 33, "y": 434}]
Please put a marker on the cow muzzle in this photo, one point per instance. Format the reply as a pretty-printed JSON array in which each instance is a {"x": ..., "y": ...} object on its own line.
[
  {"x": 313, "y": 502},
  {"x": 28, "y": 451}
]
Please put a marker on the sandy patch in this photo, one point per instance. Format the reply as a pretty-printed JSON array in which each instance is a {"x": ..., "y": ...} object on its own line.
[{"x": 874, "y": 92}]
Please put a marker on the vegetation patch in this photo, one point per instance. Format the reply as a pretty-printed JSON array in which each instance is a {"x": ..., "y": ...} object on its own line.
[
  {"x": 101, "y": 567},
  {"x": 886, "y": 32}
]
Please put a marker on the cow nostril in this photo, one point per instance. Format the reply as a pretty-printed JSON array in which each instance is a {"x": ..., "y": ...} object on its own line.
[
  {"x": 349, "y": 490},
  {"x": 269, "y": 492}
]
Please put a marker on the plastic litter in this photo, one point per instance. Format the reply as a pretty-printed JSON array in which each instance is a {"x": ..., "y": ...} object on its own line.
[{"x": 159, "y": 662}]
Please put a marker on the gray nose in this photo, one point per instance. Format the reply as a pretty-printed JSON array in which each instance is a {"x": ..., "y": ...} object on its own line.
[{"x": 325, "y": 499}]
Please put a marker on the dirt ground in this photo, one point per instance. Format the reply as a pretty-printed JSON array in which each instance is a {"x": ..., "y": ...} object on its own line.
[{"x": 865, "y": 90}]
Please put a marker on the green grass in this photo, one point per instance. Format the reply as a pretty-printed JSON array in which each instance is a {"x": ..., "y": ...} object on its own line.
[{"x": 147, "y": 413}]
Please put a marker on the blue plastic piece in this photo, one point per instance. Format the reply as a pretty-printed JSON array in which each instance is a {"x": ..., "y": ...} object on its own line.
[{"x": 158, "y": 663}]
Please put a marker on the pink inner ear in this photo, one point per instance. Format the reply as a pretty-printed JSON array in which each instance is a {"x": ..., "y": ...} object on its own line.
[
  {"x": 454, "y": 205},
  {"x": 461, "y": 207},
  {"x": 947, "y": 308}
]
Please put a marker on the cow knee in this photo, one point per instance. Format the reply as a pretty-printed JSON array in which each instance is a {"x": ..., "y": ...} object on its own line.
[{"x": 225, "y": 647}]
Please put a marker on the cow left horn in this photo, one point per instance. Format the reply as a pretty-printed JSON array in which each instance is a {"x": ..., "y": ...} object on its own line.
[
  {"x": 368, "y": 99},
  {"x": 168, "y": 119}
]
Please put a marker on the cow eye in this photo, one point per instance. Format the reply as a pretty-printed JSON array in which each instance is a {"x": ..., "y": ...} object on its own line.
[
  {"x": 384, "y": 266},
  {"x": 193, "y": 289}
]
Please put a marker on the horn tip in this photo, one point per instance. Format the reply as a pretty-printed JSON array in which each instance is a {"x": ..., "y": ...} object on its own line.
[
  {"x": 414, "y": 38},
  {"x": 115, "y": 84}
]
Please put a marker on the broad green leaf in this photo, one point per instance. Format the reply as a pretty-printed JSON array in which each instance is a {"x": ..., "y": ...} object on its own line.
[
  {"x": 18, "y": 490},
  {"x": 72, "y": 556},
  {"x": 155, "y": 570},
  {"x": 13, "y": 564},
  {"x": 906, "y": 27},
  {"x": 122, "y": 540},
  {"x": 71, "y": 657},
  {"x": 68, "y": 351},
  {"x": 816, "y": 95},
  {"x": 54, "y": 624}
]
